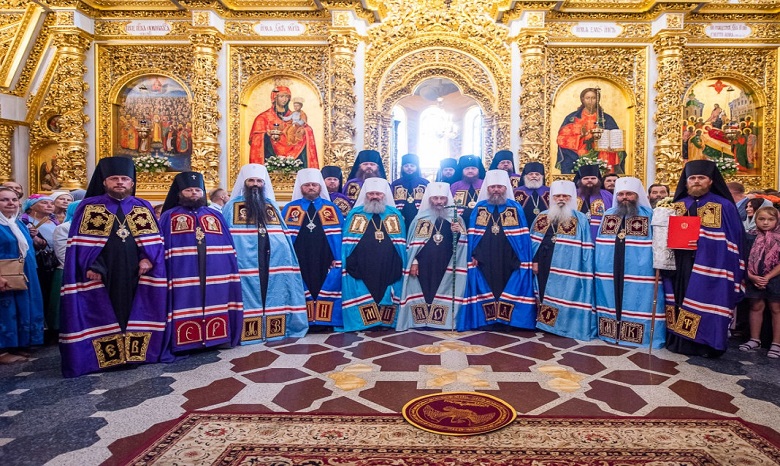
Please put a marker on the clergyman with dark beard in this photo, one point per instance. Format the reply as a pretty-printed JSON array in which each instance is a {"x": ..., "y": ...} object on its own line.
[
  {"x": 273, "y": 294},
  {"x": 593, "y": 201},
  {"x": 368, "y": 164},
  {"x": 624, "y": 271},
  {"x": 204, "y": 300}
]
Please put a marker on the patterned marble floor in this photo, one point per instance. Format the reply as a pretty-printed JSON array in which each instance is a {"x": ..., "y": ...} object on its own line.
[{"x": 104, "y": 418}]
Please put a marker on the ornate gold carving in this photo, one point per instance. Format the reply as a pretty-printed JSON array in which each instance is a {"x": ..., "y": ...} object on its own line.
[
  {"x": 66, "y": 97},
  {"x": 674, "y": 21},
  {"x": 670, "y": 87},
  {"x": 668, "y": 164},
  {"x": 15, "y": 32},
  {"x": 623, "y": 66},
  {"x": 200, "y": 18},
  {"x": 65, "y": 18},
  {"x": 205, "y": 124},
  {"x": 407, "y": 20},
  {"x": 533, "y": 99},
  {"x": 34, "y": 58},
  {"x": 6, "y": 132},
  {"x": 13, "y": 4},
  {"x": 343, "y": 45}
]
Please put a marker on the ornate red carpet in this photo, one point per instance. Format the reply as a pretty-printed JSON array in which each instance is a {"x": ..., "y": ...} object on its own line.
[{"x": 296, "y": 440}]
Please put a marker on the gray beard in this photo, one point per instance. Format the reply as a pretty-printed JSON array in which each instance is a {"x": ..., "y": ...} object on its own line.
[
  {"x": 374, "y": 207},
  {"x": 628, "y": 211},
  {"x": 497, "y": 199},
  {"x": 559, "y": 215},
  {"x": 532, "y": 184},
  {"x": 439, "y": 213}
]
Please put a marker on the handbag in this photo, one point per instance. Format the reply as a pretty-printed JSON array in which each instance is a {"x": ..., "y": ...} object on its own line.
[
  {"x": 47, "y": 260},
  {"x": 12, "y": 270}
]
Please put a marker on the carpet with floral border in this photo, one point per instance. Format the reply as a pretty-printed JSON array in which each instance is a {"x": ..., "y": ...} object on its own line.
[{"x": 300, "y": 439}]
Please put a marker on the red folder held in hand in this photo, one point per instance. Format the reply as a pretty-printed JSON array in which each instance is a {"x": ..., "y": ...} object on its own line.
[{"x": 683, "y": 230}]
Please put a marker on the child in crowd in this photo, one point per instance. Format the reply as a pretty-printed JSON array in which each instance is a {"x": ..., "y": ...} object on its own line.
[{"x": 763, "y": 284}]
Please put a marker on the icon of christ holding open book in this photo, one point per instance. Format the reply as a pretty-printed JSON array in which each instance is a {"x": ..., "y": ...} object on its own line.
[{"x": 589, "y": 129}]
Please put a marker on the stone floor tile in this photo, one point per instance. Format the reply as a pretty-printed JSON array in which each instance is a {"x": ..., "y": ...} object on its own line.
[
  {"x": 653, "y": 363},
  {"x": 581, "y": 363},
  {"x": 636, "y": 377},
  {"x": 524, "y": 396},
  {"x": 412, "y": 339},
  {"x": 256, "y": 360},
  {"x": 394, "y": 395},
  {"x": 302, "y": 349},
  {"x": 216, "y": 392},
  {"x": 618, "y": 397},
  {"x": 600, "y": 350},
  {"x": 372, "y": 349},
  {"x": 326, "y": 362},
  {"x": 492, "y": 340},
  {"x": 699, "y": 395},
  {"x": 557, "y": 341},
  {"x": 406, "y": 362},
  {"x": 576, "y": 407},
  {"x": 275, "y": 375},
  {"x": 501, "y": 362},
  {"x": 296, "y": 396},
  {"x": 342, "y": 340},
  {"x": 534, "y": 350}
]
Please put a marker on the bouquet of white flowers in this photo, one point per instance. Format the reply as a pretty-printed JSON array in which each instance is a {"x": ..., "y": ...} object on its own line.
[
  {"x": 727, "y": 165},
  {"x": 151, "y": 164},
  {"x": 288, "y": 165},
  {"x": 591, "y": 158}
]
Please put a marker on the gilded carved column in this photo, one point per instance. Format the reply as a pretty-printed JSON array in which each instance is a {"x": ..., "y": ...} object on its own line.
[
  {"x": 67, "y": 91},
  {"x": 343, "y": 46},
  {"x": 205, "y": 116},
  {"x": 6, "y": 161},
  {"x": 533, "y": 51},
  {"x": 669, "y": 48}
]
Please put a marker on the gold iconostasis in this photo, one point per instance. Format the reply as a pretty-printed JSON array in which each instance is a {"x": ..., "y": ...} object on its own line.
[{"x": 639, "y": 87}]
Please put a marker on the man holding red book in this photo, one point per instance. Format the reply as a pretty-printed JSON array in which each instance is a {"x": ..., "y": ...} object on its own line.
[{"x": 706, "y": 284}]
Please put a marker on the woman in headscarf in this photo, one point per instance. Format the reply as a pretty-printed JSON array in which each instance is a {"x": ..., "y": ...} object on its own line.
[
  {"x": 751, "y": 207},
  {"x": 21, "y": 311},
  {"x": 40, "y": 219},
  {"x": 60, "y": 246}
]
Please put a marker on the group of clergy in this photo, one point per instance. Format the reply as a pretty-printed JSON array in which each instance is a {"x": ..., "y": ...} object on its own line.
[{"x": 480, "y": 250}]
